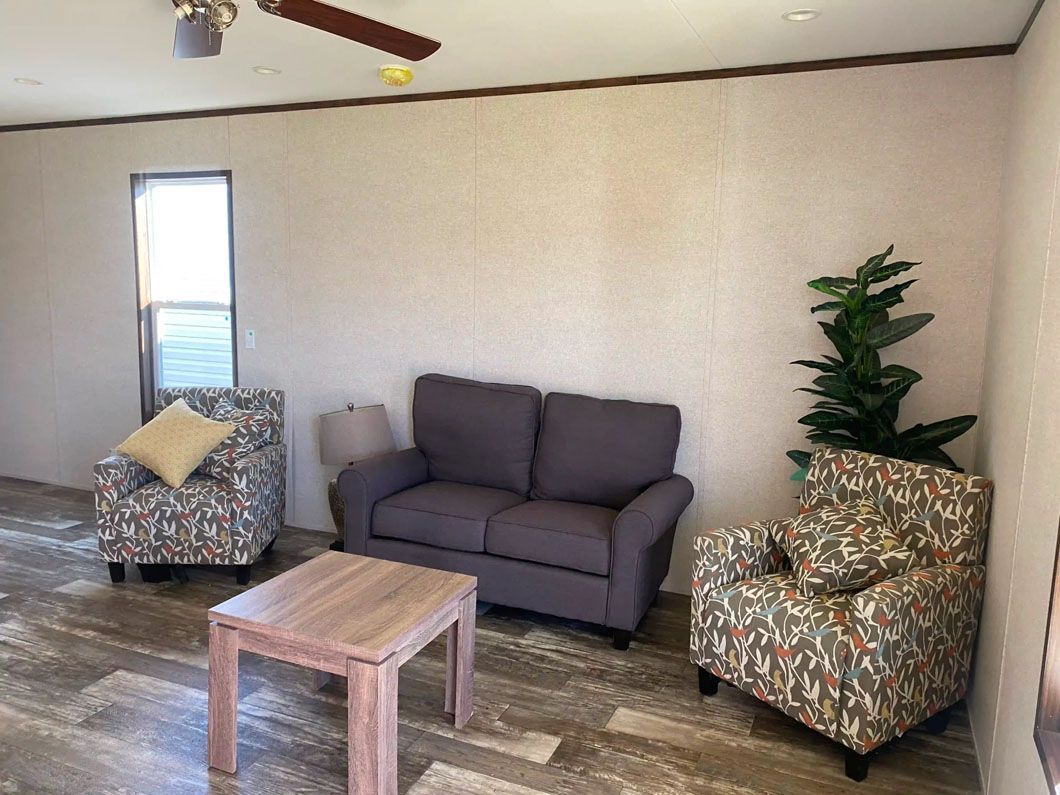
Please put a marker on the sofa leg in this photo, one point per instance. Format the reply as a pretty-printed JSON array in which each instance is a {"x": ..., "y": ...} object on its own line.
[
  {"x": 857, "y": 765},
  {"x": 154, "y": 572},
  {"x": 117, "y": 572},
  {"x": 622, "y": 638},
  {"x": 243, "y": 574},
  {"x": 708, "y": 682},
  {"x": 938, "y": 722}
]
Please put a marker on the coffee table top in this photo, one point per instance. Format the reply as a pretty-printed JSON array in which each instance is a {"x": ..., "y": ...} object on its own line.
[{"x": 364, "y": 608}]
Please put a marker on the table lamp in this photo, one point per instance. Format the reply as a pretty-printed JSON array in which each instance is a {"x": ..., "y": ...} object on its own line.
[{"x": 355, "y": 433}]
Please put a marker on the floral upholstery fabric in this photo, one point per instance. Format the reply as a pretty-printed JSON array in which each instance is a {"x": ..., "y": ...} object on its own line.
[
  {"x": 941, "y": 515},
  {"x": 770, "y": 640},
  {"x": 253, "y": 429},
  {"x": 207, "y": 520},
  {"x": 861, "y": 667},
  {"x": 204, "y": 399},
  {"x": 843, "y": 547}
]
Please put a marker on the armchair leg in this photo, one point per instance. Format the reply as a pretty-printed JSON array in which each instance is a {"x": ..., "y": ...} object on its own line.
[
  {"x": 857, "y": 765},
  {"x": 622, "y": 639},
  {"x": 938, "y": 722},
  {"x": 708, "y": 682},
  {"x": 269, "y": 546},
  {"x": 117, "y": 572},
  {"x": 154, "y": 572},
  {"x": 243, "y": 574}
]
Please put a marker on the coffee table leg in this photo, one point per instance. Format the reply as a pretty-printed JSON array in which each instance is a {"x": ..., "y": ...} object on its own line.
[
  {"x": 321, "y": 679},
  {"x": 372, "y": 709},
  {"x": 460, "y": 667},
  {"x": 223, "y": 697}
]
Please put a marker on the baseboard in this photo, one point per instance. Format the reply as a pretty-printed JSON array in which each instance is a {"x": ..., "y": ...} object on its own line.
[{"x": 46, "y": 481}]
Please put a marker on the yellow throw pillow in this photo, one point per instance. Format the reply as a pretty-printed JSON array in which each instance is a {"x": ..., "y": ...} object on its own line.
[{"x": 175, "y": 442}]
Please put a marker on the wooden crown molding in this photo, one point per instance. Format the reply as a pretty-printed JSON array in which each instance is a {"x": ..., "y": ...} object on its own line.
[{"x": 607, "y": 82}]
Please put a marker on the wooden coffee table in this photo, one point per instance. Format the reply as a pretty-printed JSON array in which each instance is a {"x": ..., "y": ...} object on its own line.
[{"x": 350, "y": 616}]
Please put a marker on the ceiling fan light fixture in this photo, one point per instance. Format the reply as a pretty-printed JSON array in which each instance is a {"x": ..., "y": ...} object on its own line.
[
  {"x": 183, "y": 9},
  {"x": 220, "y": 14},
  {"x": 265, "y": 70},
  {"x": 801, "y": 15},
  {"x": 28, "y": 81},
  {"x": 395, "y": 75}
]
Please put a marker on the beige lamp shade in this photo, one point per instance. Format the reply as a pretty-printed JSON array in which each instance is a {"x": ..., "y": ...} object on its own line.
[{"x": 354, "y": 434}]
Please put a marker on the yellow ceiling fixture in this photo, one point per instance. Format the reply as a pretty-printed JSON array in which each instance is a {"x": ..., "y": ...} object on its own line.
[{"x": 395, "y": 75}]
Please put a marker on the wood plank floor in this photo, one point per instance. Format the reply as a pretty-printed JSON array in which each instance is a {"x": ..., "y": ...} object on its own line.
[{"x": 103, "y": 690}]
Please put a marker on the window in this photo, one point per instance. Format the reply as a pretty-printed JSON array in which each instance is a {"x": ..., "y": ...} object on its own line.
[
  {"x": 1047, "y": 723},
  {"x": 185, "y": 281}
]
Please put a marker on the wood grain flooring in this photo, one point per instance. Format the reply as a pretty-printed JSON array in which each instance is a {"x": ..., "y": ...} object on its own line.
[{"x": 103, "y": 690}]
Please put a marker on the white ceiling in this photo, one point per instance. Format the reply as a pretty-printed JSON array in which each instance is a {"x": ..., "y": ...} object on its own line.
[{"x": 112, "y": 57}]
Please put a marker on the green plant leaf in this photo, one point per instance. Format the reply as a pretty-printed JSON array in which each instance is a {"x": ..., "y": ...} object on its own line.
[
  {"x": 936, "y": 434},
  {"x": 829, "y": 306},
  {"x": 885, "y": 299},
  {"x": 824, "y": 367},
  {"x": 935, "y": 456},
  {"x": 871, "y": 265},
  {"x": 896, "y": 330},
  {"x": 871, "y": 400},
  {"x": 830, "y": 420},
  {"x": 800, "y": 473},
  {"x": 897, "y": 371},
  {"x": 834, "y": 386},
  {"x": 832, "y": 438},
  {"x": 890, "y": 270},
  {"x": 840, "y": 338},
  {"x": 800, "y": 457},
  {"x": 832, "y": 285}
]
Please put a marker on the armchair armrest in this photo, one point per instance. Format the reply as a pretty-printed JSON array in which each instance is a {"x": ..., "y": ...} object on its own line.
[
  {"x": 727, "y": 555},
  {"x": 258, "y": 487},
  {"x": 911, "y": 644},
  {"x": 364, "y": 483},
  {"x": 115, "y": 478}
]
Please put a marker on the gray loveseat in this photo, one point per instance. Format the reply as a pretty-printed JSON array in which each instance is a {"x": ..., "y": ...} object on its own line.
[{"x": 571, "y": 513}]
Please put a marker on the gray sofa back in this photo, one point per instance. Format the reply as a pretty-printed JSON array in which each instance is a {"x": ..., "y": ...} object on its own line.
[
  {"x": 603, "y": 452},
  {"x": 474, "y": 432}
]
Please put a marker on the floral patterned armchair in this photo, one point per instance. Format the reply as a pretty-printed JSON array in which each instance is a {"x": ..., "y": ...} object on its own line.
[
  {"x": 860, "y": 667},
  {"x": 206, "y": 521}
]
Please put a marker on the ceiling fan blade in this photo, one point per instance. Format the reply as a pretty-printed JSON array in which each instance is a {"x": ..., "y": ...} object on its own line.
[
  {"x": 353, "y": 26},
  {"x": 195, "y": 41}
]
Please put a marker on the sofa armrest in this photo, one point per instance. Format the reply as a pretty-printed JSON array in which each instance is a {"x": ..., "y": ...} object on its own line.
[
  {"x": 911, "y": 644},
  {"x": 366, "y": 482},
  {"x": 115, "y": 478},
  {"x": 641, "y": 541},
  {"x": 731, "y": 554},
  {"x": 656, "y": 510}
]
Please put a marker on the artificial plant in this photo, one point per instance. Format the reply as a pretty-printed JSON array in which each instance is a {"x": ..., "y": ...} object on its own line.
[{"x": 859, "y": 396}]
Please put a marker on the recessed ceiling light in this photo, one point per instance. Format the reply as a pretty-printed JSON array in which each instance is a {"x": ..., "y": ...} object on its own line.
[
  {"x": 801, "y": 15},
  {"x": 265, "y": 70},
  {"x": 28, "y": 81},
  {"x": 395, "y": 75}
]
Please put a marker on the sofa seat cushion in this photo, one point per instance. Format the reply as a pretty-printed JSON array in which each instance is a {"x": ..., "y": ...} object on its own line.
[
  {"x": 767, "y": 638},
  {"x": 568, "y": 534},
  {"x": 442, "y": 514}
]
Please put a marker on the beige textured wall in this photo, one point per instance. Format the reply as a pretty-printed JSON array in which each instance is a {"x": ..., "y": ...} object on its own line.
[
  {"x": 646, "y": 242},
  {"x": 1019, "y": 441}
]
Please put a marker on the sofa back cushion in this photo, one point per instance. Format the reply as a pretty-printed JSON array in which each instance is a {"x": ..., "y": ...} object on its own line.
[
  {"x": 941, "y": 515},
  {"x": 603, "y": 452},
  {"x": 477, "y": 433}
]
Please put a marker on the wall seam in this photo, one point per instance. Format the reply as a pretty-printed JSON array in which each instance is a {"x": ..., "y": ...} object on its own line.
[
  {"x": 475, "y": 251},
  {"x": 712, "y": 290},
  {"x": 51, "y": 305},
  {"x": 289, "y": 358},
  {"x": 1026, "y": 449}
]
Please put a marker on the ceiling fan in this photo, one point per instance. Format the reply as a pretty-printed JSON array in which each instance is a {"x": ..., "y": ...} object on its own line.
[{"x": 200, "y": 24}]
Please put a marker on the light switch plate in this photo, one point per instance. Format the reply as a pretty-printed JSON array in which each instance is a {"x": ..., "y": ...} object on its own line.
[{"x": 251, "y": 340}]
